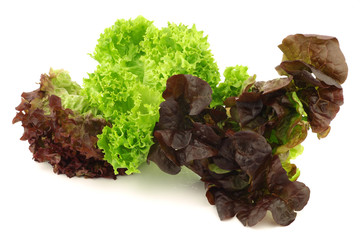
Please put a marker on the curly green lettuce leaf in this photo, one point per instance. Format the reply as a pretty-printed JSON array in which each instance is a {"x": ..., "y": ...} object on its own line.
[
  {"x": 135, "y": 60},
  {"x": 59, "y": 83},
  {"x": 177, "y": 49},
  {"x": 68, "y": 91},
  {"x": 120, "y": 43},
  {"x": 237, "y": 80}
]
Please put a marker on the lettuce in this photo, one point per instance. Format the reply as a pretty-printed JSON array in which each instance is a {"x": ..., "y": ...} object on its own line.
[
  {"x": 242, "y": 145},
  {"x": 235, "y": 83},
  {"x": 63, "y": 137},
  {"x": 147, "y": 100},
  {"x": 242, "y": 175},
  {"x": 135, "y": 60}
]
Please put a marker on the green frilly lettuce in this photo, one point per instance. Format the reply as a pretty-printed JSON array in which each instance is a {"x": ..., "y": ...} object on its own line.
[
  {"x": 61, "y": 85},
  {"x": 236, "y": 81},
  {"x": 70, "y": 93},
  {"x": 135, "y": 60}
]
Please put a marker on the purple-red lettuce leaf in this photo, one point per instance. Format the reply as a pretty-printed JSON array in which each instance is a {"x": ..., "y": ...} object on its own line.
[
  {"x": 279, "y": 195},
  {"x": 272, "y": 109},
  {"x": 237, "y": 166},
  {"x": 322, "y": 52},
  {"x": 194, "y": 92}
]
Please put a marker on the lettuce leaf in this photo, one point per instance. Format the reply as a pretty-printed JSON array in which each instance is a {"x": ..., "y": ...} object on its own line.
[
  {"x": 135, "y": 60},
  {"x": 235, "y": 83},
  {"x": 322, "y": 52},
  {"x": 64, "y": 137}
]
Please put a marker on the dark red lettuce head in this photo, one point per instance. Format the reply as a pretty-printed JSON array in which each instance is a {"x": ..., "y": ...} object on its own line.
[
  {"x": 242, "y": 176},
  {"x": 61, "y": 137}
]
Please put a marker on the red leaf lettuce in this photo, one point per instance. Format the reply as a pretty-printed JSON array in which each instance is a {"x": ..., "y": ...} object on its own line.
[
  {"x": 242, "y": 148},
  {"x": 60, "y": 136}
]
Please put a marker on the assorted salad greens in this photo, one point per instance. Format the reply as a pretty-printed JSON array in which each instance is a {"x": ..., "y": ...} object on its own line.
[
  {"x": 135, "y": 59},
  {"x": 156, "y": 96}
]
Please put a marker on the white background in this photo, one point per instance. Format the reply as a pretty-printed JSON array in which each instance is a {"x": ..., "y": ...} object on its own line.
[{"x": 35, "y": 203}]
